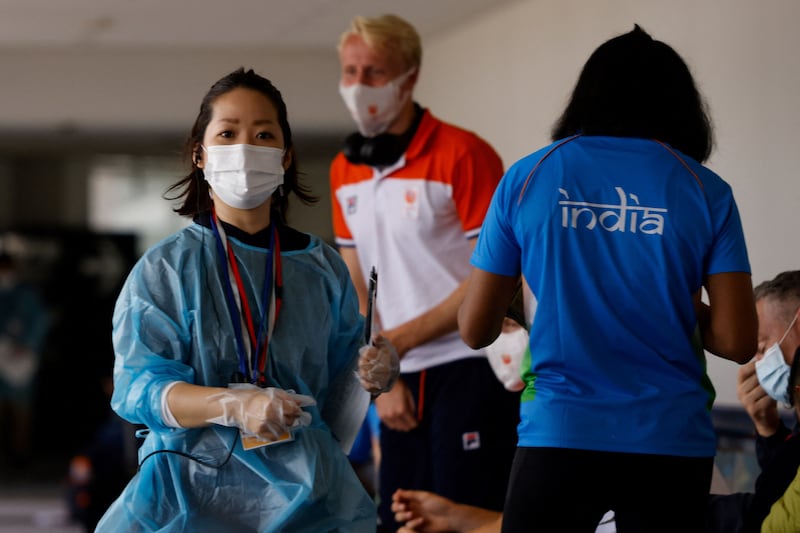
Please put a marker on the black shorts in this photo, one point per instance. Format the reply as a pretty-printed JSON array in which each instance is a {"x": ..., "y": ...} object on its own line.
[
  {"x": 465, "y": 441},
  {"x": 560, "y": 489}
]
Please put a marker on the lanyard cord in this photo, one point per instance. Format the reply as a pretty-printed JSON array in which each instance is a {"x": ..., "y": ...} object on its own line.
[
  {"x": 229, "y": 296},
  {"x": 253, "y": 355},
  {"x": 275, "y": 274}
]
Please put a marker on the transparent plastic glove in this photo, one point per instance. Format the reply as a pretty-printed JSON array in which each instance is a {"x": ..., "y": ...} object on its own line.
[
  {"x": 378, "y": 365},
  {"x": 265, "y": 413}
]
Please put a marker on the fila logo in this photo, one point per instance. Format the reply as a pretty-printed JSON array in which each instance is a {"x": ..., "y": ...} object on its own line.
[{"x": 471, "y": 440}]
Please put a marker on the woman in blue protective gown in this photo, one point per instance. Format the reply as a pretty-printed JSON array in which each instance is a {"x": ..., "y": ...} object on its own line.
[{"x": 238, "y": 342}]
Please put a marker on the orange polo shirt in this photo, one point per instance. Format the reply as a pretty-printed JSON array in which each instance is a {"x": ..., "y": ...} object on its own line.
[{"x": 413, "y": 221}]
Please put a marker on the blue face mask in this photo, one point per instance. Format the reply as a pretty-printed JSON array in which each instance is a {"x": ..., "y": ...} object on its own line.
[{"x": 773, "y": 371}]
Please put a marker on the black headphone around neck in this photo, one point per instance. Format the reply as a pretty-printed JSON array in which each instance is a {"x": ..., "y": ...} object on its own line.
[{"x": 382, "y": 150}]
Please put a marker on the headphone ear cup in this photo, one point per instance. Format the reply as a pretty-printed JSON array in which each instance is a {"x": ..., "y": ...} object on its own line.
[
  {"x": 381, "y": 150},
  {"x": 352, "y": 148}
]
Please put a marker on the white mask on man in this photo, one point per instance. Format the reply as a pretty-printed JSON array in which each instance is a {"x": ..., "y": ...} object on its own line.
[
  {"x": 773, "y": 371},
  {"x": 374, "y": 108},
  {"x": 243, "y": 176},
  {"x": 505, "y": 355}
]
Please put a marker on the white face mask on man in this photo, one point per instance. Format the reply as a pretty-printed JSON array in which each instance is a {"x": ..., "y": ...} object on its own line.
[
  {"x": 773, "y": 371},
  {"x": 243, "y": 176},
  {"x": 374, "y": 108}
]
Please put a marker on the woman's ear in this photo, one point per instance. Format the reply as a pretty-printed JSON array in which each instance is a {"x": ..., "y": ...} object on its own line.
[
  {"x": 197, "y": 156},
  {"x": 287, "y": 159}
]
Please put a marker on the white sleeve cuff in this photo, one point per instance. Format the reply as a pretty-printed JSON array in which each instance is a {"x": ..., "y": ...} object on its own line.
[{"x": 166, "y": 413}]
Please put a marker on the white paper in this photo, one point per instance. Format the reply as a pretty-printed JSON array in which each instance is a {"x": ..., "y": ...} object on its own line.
[{"x": 345, "y": 412}]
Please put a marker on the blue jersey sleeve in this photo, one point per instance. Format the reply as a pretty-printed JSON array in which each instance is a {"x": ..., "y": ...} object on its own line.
[
  {"x": 497, "y": 250},
  {"x": 729, "y": 253}
]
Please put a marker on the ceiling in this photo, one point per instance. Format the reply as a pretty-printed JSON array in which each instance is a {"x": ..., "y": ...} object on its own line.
[
  {"x": 279, "y": 24},
  {"x": 79, "y": 74}
]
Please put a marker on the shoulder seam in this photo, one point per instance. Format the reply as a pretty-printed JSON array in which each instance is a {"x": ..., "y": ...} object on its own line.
[
  {"x": 683, "y": 162},
  {"x": 530, "y": 174}
]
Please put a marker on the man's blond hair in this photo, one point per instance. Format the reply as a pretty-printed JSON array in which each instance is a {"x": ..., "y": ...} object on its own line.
[{"x": 387, "y": 32}]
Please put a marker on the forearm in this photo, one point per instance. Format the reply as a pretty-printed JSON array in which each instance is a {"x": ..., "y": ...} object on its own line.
[
  {"x": 469, "y": 519},
  {"x": 480, "y": 318},
  {"x": 729, "y": 324},
  {"x": 192, "y": 406},
  {"x": 265, "y": 413},
  {"x": 434, "y": 323}
]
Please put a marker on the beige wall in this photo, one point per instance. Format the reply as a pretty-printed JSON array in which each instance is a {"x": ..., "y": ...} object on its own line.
[
  {"x": 145, "y": 89},
  {"x": 507, "y": 76}
]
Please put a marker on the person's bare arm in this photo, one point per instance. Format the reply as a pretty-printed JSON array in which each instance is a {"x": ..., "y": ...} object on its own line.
[
  {"x": 729, "y": 323},
  {"x": 480, "y": 317},
  {"x": 439, "y": 320},
  {"x": 434, "y": 323},
  {"x": 427, "y": 512},
  {"x": 190, "y": 404},
  {"x": 267, "y": 413},
  {"x": 397, "y": 408},
  {"x": 495, "y": 526}
]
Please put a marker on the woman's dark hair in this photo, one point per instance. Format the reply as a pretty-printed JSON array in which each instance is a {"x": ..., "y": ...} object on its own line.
[
  {"x": 193, "y": 187},
  {"x": 635, "y": 86}
]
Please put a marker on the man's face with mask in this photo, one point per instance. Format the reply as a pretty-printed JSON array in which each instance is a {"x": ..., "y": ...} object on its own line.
[
  {"x": 774, "y": 317},
  {"x": 777, "y": 343},
  {"x": 375, "y": 85}
]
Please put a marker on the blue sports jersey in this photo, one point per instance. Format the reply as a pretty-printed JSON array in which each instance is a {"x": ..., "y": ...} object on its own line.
[{"x": 613, "y": 235}]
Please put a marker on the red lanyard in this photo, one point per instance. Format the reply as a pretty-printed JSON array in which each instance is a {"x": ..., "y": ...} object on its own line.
[{"x": 252, "y": 355}]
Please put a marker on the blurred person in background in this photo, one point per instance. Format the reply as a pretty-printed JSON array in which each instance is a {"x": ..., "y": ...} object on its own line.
[
  {"x": 23, "y": 329},
  {"x": 762, "y": 383},
  {"x": 784, "y": 514}
]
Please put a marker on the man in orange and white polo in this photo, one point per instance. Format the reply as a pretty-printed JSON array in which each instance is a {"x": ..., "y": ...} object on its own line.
[{"x": 409, "y": 194}]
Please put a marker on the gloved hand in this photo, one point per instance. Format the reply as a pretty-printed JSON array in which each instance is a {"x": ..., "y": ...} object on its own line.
[
  {"x": 378, "y": 365},
  {"x": 265, "y": 413}
]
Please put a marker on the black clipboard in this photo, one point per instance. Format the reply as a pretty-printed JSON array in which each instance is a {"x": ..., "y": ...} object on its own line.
[{"x": 372, "y": 293}]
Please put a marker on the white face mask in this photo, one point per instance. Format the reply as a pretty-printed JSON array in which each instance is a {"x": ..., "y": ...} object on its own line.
[
  {"x": 505, "y": 355},
  {"x": 243, "y": 176},
  {"x": 374, "y": 108},
  {"x": 773, "y": 371}
]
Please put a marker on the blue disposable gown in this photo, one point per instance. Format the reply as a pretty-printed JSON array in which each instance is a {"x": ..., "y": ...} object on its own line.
[{"x": 171, "y": 323}]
